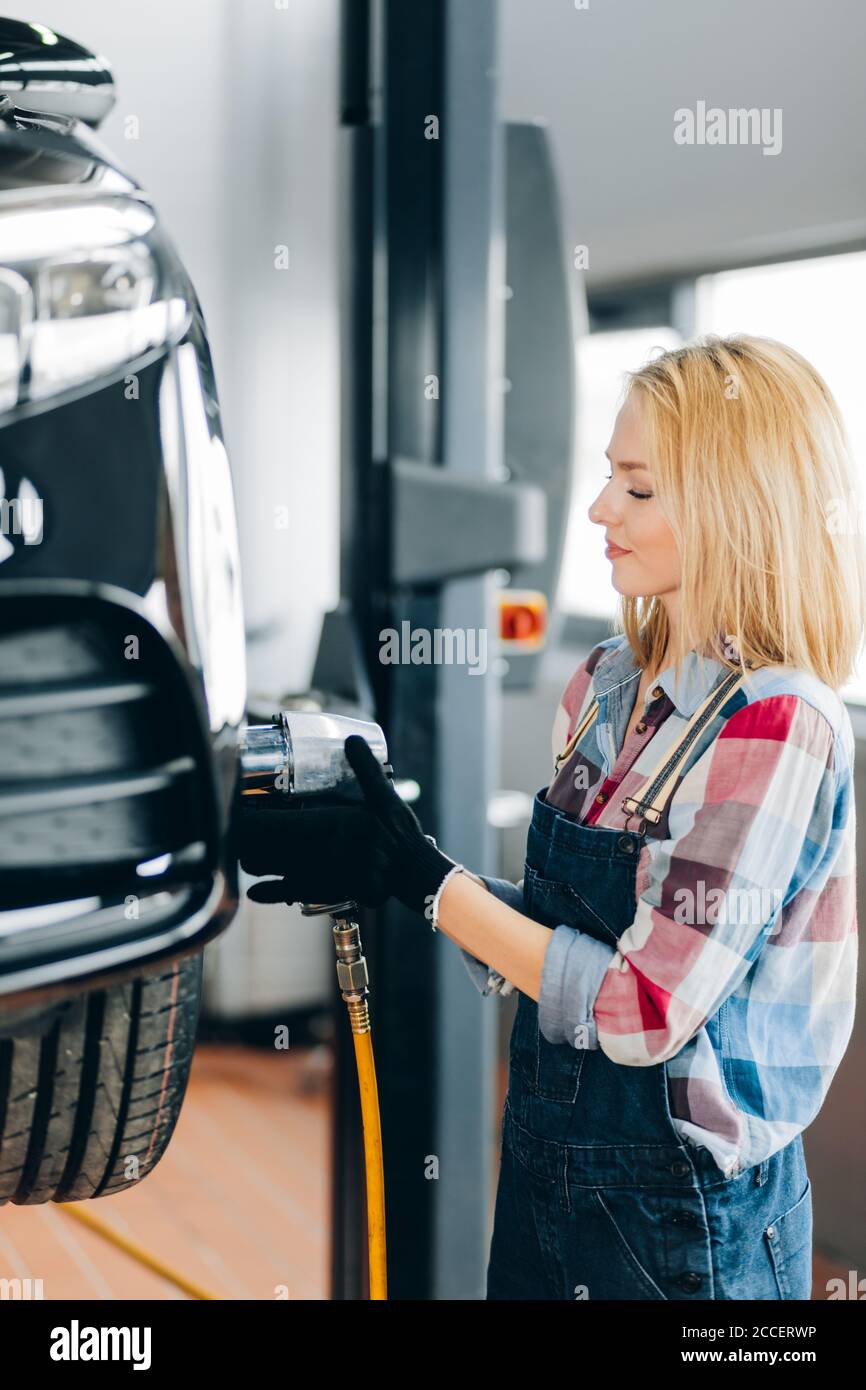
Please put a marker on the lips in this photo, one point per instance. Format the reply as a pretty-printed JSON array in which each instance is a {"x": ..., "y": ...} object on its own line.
[{"x": 611, "y": 550}]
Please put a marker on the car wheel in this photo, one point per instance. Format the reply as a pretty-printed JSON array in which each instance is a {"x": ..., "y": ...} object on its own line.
[{"x": 90, "y": 1090}]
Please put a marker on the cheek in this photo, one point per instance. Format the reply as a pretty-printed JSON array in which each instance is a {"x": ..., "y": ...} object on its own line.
[{"x": 657, "y": 540}]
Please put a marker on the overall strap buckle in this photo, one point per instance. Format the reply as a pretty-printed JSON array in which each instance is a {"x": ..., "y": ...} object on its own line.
[
  {"x": 660, "y": 784},
  {"x": 633, "y": 807}
]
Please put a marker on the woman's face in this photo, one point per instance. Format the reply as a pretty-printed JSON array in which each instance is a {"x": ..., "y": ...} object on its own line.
[{"x": 646, "y": 560}]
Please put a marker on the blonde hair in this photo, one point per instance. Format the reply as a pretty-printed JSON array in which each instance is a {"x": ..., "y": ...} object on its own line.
[{"x": 753, "y": 471}]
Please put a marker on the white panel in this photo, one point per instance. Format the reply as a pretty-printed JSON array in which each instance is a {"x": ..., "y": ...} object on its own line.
[
  {"x": 169, "y": 125},
  {"x": 609, "y": 79}
]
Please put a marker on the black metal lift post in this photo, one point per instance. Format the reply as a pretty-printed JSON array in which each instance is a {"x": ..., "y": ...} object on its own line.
[{"x": 425, "y": 519}]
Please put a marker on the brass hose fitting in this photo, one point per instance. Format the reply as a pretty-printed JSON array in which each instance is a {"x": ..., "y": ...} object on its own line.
[{"x": 352, "y": 976}]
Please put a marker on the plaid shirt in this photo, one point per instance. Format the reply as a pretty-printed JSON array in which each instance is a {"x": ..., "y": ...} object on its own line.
[{"x": 739, "y": 968}]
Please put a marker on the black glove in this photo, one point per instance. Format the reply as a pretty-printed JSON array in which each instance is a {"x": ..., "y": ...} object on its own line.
[
  {"x": 326, "y": 854},
  {"x": 416, "y": 867}
]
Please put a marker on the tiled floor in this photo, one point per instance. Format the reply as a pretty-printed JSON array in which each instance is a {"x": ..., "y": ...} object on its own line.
[{"x": 240, "y": 1203}]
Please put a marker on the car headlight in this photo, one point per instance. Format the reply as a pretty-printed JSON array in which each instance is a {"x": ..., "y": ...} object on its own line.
[{"x": 86, "y": 286}]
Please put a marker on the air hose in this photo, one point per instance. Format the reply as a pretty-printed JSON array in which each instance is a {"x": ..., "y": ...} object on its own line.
[
  {"x": 79, "y": 1211},
  {"x": 353, "y": 979}
]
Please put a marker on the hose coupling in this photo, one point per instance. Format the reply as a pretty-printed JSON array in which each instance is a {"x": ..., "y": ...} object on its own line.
[{"x": 352, "y": 975}]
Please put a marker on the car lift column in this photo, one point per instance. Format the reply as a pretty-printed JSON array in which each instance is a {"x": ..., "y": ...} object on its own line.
[{"x": 425, "y": 521}]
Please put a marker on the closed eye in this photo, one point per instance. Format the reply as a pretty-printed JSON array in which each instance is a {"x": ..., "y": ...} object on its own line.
[{"x": 641, "y": 496}]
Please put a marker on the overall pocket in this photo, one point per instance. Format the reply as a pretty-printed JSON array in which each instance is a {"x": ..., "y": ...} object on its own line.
[
  {"x": 616, "y": 1242},
  {"x": 553, "y": 1070},
  {"x": 546, "y": 1070},
  {"x": 789, "y": 1239},
  {"x": 523, "y": 1046},
  {"x": 554, "y": 902}
]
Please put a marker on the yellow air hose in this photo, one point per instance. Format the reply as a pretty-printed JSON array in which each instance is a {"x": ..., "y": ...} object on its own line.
[
  {"x": 353, "y": 979},
  {"x": 79, "y": 1212}
]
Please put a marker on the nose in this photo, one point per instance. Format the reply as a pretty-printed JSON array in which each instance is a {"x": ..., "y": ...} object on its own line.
[{"x": 602, "y": 512}]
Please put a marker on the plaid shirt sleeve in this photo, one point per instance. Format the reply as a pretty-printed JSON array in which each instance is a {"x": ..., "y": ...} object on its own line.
[{"x": 754, "y": 828}]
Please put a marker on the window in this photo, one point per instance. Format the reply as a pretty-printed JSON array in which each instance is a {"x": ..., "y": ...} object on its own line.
[
  {"x": 812, "y": 306},
  {"x": 585, "y": 586}
]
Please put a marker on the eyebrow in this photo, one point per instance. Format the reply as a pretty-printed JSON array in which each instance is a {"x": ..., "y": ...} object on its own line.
[{"x": 629, "y": 467}]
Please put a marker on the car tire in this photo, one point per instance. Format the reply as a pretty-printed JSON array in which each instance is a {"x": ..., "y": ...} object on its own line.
[{"x": 91, "y": 1089}]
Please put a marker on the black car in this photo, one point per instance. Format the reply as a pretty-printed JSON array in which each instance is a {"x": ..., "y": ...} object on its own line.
[{"x": 122, "y": 678}]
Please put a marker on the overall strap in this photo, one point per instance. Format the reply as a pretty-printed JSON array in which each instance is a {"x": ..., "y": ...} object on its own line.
[
  {"x": 651, "y": 802},
  {"x": 586, "y": 723}
]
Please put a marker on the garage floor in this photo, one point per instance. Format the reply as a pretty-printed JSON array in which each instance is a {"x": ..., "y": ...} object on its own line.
[{"x": 239, "y": 1204}]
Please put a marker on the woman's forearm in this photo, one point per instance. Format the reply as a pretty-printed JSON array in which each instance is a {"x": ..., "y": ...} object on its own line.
[{"x": 492, "y": 931}]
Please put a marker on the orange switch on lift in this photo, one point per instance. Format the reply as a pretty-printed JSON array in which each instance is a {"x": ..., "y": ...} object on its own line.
[{"x": 522, "y": 619}]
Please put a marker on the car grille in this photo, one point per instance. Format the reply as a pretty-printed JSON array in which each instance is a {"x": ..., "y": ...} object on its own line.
[{"x": 105, "y": 781}]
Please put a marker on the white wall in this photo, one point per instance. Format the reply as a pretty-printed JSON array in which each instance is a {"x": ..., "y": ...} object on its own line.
[
  {"x": 609, "y": 79},
  {"x": 238, "y": 132},
  {"x": 170, "y": 65}
]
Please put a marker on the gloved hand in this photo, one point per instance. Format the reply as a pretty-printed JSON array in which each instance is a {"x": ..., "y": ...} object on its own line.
[
  {"x": 325, "y": 854},
  {"x": 416, "y": 867}
]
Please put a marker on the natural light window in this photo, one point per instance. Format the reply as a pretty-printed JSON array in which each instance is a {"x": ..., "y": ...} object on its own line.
[
  {"x": 602, "y": 358},
  {"x": 812, "y": 306}
]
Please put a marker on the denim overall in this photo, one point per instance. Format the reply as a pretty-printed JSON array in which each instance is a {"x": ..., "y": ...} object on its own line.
[{"x": 599, "y": 1197}]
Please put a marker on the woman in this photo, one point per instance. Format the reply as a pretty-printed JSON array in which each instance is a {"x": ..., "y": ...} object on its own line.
[{"x": 684, "y": 937}]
